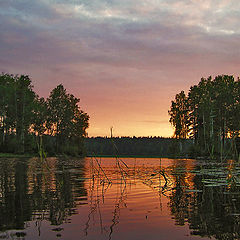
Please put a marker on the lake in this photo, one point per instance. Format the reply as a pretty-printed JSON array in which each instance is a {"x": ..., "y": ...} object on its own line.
[{"x": 127, "y": 198}]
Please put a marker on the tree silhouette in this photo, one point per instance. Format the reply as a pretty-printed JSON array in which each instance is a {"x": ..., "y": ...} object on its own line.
[{"x": 209, "y": 114}]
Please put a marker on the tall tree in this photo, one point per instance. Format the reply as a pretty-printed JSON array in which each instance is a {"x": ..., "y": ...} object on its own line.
[
  {"x": 16, "y": 104},
  {"x": 66, "y": 121},
  {"x": 179, "y": 115},
  {"x": 210, "y": 113},
  {"x": 24, "y": 99},
  {"x": 23, "y": 114},
  {"x": 7, "y": 109},
  {"x": 40, "y": 116}
]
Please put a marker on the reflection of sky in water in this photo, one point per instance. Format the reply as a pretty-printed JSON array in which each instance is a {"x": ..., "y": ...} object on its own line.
[{"x": 148, "y": 199}]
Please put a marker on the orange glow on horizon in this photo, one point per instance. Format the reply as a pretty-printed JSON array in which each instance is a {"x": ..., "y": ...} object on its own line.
[
  {"x": 130, "y": 113},
  {"x": 129, "y": 123},
  {"x": 137, "y": 130}
]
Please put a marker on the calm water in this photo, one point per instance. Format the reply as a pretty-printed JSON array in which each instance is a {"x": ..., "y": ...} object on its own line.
[{"x": 118, "y": 199}]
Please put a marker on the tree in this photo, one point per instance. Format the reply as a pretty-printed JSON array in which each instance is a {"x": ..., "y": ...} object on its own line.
[
  {"x": 7, "y": 109},
  {"x": 40, "y": 116},
  {"x": 16, "y": 104},
  {"x": 66, "y": 121},
  {"x": 25, "y": 117},
  {"x": 179, "y": 115},
  {"x": 209, "y": 114},
  {"x": 24, "y": 99}
]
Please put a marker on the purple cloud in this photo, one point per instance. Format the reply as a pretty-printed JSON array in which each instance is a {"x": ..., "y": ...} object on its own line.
[{"x": 107, "y": 49}]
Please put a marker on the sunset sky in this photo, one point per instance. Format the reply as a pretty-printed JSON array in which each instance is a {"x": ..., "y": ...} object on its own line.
[{"x": 125, "y": 59}]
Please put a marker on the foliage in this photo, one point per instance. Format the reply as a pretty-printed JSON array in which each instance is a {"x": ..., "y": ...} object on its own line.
[
  {"x": 65, "y": 119},
  {"x": 16, "y": 105},
  {"x": 139, "y": 146},
  {"x": 179, "y": 117},
  {"x": 25, "y": 118},
  {"x": 209, "y": 114}
]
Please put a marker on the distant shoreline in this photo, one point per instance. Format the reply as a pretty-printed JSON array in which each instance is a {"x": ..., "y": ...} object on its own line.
[
  {"x": 13, "y": 155},
  {"x": 136, "y": 156}
]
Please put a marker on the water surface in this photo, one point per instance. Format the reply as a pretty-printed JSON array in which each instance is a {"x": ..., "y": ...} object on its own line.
[{"x": 129, "y": 198}]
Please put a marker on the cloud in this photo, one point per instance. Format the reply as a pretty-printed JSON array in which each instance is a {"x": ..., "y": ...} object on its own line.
[
  {"x": 115, "y": 49},
  {"x": 162, "y": 33}
]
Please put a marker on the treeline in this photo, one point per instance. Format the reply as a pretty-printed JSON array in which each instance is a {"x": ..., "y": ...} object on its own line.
[
  {"x": 139, "y": 146},
  {"x": 210, "y": 114},
  {"x": 29, "y": 123}
]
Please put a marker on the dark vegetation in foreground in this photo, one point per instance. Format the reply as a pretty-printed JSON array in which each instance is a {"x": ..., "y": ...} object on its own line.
[
  {"x": 32, "y": 124},
  {"x": 139, "y": 147},
  {"x": 209, "y": 114}
]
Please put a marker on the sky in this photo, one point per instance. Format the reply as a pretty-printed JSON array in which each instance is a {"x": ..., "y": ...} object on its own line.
[{"x": 125, "y": 59}]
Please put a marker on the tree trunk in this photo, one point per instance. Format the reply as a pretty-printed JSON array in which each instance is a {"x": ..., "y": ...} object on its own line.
[{"x": 20, "y": 122}]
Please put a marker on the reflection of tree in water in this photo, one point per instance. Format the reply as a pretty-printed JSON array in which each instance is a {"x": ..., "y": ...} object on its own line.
[
  {"x": 58, "y": 187},
  {"x": 14, "y": 202},
  {"x": 180, "y": 200},
  {"x": 31, "y": 189},
  {"x": 216, "y": 213},
  {"x": 210, "y": 211},
  {"x": 50, "y": 190}
]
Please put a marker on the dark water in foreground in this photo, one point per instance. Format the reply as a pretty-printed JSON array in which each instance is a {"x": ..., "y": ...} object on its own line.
[{"x": 106, "y": 199}]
